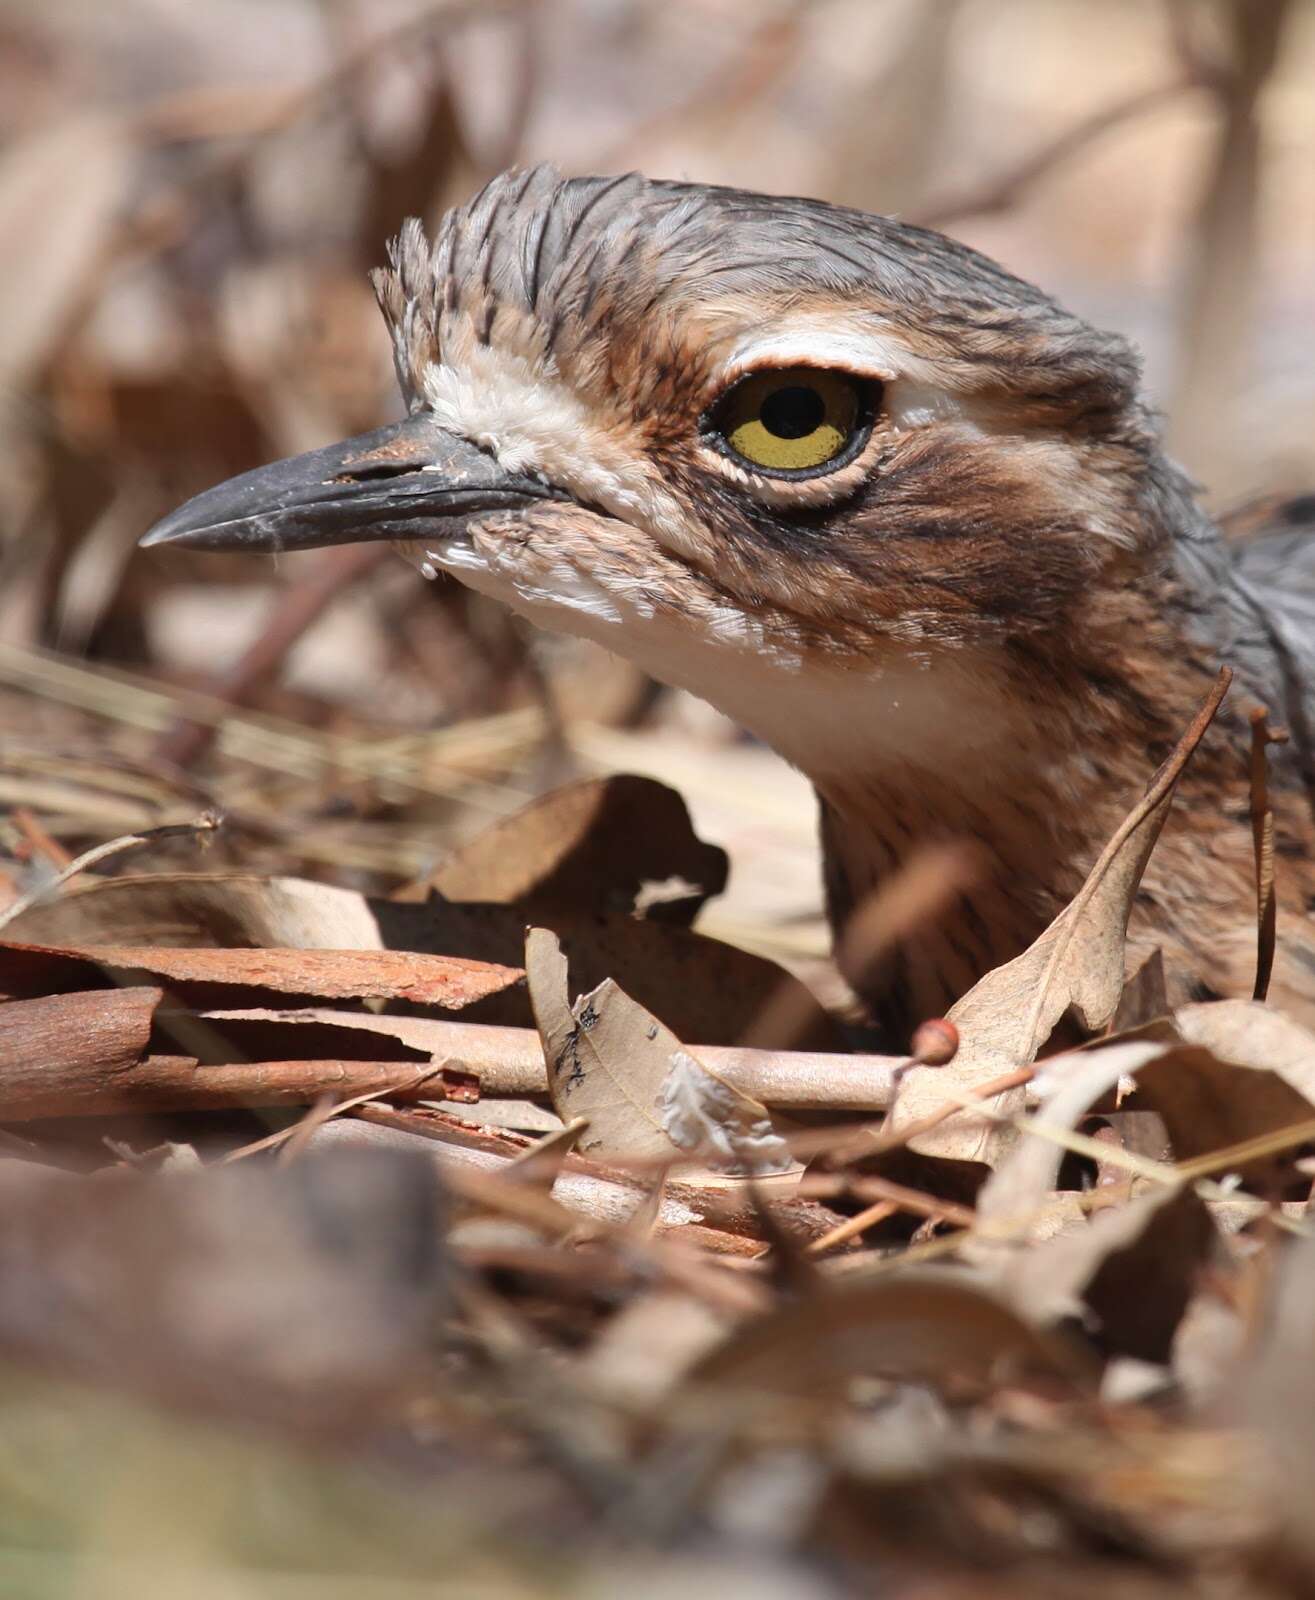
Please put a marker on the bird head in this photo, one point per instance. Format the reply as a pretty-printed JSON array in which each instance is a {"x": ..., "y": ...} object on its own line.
[{"x": 796, "y": 458}]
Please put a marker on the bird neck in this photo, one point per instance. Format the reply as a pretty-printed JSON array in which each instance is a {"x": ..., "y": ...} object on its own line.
[{"x": 1034, "y": 754}]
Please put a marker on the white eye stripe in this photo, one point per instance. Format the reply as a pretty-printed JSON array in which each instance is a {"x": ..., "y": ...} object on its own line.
[{"x": 863, "y": 349}]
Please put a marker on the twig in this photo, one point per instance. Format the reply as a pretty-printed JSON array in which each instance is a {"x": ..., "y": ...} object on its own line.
[
  {"x": 851, "y": 1227},
  {"x": 207, "y": 822},
  {"x": 1003, "y": 189},
  {"x": 278, "y": 744},
  {"x": 38, "y": 841},
  {"x": 1262, "y": 835},
  {"x": 765, "y": 54},
  {"x": 1219, "y": 301},
  {"x": 298, "y": 610},
  {"x": 867, "y": 1186},
  {"x": 888, "y": 1141},
  {"x": 507, "y": 1061},
  {"x": 324, "y": 1110}
]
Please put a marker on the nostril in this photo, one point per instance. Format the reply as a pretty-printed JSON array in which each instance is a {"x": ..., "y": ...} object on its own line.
[{"x": 376, "y": 472}]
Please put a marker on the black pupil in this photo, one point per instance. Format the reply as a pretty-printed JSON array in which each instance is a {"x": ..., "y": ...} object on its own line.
[{"x": 793, "y": 412}]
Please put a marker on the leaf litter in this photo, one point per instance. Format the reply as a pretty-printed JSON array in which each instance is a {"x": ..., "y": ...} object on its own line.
[{"x": 262, "y": 1166}]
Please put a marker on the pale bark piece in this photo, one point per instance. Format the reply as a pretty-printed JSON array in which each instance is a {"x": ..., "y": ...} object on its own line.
[
  {"x": 445, "y": 981},
  {"x": 1077, "y": 964},
  {"x": 510, "y": 1061},
  {"x": 606, "y": 844}
]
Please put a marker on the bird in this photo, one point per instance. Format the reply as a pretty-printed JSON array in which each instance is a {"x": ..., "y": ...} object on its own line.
[{"x": 894, "y": 510}]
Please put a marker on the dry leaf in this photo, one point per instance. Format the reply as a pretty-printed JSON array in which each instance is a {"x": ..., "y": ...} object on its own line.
[
  {"x": 1077, "y": 964},
  {"x": 1277, "y": 1399},
  {"x": 718, "y": 1123},
  {"x": 648, "y": 1346},
  {"x": 1128, "y": 1273},
  {"x": 704, "y": 990},
  {"x": 1242, "y": 1071},
  {"x": 607, "y": 1057},
  {"x": 1145, "y": 996},
  {"x": 607, "y": 844},
  {"x": 922, "y": 1326},
  {"x": 188, "y": 909},
  {"x": 1011, "y": 1202},
  {"x": 612, "y": 1062}
]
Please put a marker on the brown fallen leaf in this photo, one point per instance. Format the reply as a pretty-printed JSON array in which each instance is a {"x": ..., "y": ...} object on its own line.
[
  {"x": 922, "y": 1326},
  {"x": 445, "y": 981},
  {"x": 1128, "y": 1273},
  {"x": 1145, "y": 996},
  {"x": 702, "y": 989},
  {"x": 1011, "y": 1204},
  {"x": 606, "y": 844},
  {"x": 1077, "y": 964},
  {"x": 650, "y": 1344},
  {"x": 643, "y": 1094},
  {"x": 1241, "y": 1071},
  {"x": 1217, "y": 1074}
]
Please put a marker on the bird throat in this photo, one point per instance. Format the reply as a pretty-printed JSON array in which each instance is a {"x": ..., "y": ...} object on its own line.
[
  {"x": 1034, "y": 811},
  {"x": 1025, "y": 867}
]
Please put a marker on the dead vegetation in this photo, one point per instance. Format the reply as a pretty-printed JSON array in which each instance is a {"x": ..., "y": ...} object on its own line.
[{"x": 425, "y": 1169}]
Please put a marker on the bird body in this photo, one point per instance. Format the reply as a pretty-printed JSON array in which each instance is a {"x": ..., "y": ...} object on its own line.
[{"x": 891, "y": 508}]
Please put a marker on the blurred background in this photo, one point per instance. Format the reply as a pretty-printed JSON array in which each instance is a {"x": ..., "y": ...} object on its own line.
[{"x": 192, "y": 191}]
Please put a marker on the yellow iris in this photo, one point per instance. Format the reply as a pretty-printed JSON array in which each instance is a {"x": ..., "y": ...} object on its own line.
[{"x": 791, "y": 418}]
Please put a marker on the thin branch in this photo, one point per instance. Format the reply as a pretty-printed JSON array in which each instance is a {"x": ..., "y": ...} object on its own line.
[
  {"x": 1262, "y": 835},
  {"x": 299, "y": 608},
  {"x": 207, "y": 822},
  {"x": 1004, "y": 188}
]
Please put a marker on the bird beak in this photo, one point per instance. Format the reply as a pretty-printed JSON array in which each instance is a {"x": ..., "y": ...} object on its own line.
[{"x": 407, "y": 481}]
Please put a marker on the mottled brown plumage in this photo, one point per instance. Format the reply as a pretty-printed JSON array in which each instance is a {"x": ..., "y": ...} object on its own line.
[{"x": 990, "y": 615}]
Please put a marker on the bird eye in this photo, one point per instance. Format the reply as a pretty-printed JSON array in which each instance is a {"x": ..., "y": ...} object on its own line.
[{"x": 793, "y": 419}]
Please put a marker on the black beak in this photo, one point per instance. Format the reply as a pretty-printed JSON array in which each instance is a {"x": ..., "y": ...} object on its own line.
[{"x": 404, "y": 481}]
